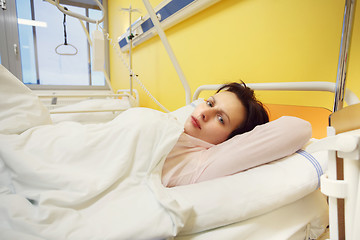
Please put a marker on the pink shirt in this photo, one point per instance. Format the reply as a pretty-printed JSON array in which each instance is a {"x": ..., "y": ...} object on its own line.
[{"x": 193, "y": 160}]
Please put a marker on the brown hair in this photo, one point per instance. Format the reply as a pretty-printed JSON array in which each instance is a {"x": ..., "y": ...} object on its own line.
[{"x": 256, "y": 113}]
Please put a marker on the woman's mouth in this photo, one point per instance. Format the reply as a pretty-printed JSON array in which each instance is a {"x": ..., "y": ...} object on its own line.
[{"x": 195, "y": 122}]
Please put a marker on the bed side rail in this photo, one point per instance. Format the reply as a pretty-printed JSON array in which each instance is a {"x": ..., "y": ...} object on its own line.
[{"x": 55, "y": 100}]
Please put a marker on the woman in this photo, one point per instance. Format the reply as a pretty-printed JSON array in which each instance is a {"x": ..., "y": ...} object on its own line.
[{"x": 227, "y": 134}]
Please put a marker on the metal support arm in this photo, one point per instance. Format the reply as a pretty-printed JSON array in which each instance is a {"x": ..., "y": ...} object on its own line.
[{"x": 169, "y": 50}]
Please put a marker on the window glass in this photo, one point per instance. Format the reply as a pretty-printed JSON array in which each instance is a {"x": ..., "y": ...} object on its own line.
[
  {"x": 26, "y": 41},
  {"x": 54, "y": 48}
]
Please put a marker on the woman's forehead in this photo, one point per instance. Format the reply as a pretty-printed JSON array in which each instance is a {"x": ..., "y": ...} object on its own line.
[
  {"x": 225, "y": 96},
  {"x": 230, "y": 104}
]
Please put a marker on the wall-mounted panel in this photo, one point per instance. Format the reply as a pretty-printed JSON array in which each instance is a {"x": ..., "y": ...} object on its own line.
[{"x": 169, "y": 13}]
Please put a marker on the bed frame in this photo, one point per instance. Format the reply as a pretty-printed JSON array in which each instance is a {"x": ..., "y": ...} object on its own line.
[
  {"x": 346, "y": 189},
  {"x": 342, "y": 181}
]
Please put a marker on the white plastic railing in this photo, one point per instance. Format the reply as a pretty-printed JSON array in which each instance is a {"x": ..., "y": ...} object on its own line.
[{"x": 350, "y": 97}]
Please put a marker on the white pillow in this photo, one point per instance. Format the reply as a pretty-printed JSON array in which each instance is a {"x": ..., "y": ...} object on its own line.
[
  {"x": 20, "y": 109},
  {"x": 183, "y": 113},
  {"x": 251, "y": 193}
]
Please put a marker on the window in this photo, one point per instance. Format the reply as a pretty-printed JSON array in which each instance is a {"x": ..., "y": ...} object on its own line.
[{"x": 54, "y": 50}]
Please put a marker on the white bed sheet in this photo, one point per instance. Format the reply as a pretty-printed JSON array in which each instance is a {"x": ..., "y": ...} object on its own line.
[{"x": 306, "y": 217}]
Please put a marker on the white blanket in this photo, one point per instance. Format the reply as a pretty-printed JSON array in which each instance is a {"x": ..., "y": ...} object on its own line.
[{"x": 101, "y": 181}]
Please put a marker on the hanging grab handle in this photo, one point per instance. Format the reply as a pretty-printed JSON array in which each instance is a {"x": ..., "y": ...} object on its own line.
[{"x": 72, "y": 47}]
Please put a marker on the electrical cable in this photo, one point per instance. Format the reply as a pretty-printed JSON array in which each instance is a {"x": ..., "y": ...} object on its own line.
[{"x": 131, "y": 72}]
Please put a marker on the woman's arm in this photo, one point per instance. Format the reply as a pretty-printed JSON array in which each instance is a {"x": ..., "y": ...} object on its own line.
[{"x": 265, "y": 143}]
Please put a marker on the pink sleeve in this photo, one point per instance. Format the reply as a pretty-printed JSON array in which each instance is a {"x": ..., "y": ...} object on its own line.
[{"x": 265, "y": 143}]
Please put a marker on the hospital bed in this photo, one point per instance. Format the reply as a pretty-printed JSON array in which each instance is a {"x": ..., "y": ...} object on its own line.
[{"x": 70, "y": 180}]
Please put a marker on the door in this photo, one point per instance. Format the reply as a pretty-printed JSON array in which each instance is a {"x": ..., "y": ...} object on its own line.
[{"x": 9, "y": 40}]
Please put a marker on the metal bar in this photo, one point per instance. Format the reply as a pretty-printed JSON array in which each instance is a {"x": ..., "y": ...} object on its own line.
[
  {"x": 87, "y": 28},
  {"x": 338, "y": 232},
  {"x": 130, "y": 38},
  {"x": 283, "y": 86},
  {"x": 344, "y": 54},
  {"x": 130, "y": 48},
  {"x": 79, "y": 16},
  {"x": 80, "y": 95},
  {"x": 87, "y": 111},
  {"x": 350, "y": 97},
  {"x": 169, "y": 51}
]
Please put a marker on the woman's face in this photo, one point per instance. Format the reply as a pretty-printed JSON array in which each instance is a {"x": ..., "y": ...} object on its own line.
[{"x": 214, "y": 120}]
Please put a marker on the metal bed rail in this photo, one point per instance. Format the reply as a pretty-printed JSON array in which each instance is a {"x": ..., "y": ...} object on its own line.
[
  {"x": 350, "y": 97},
  {"x": 56, "y": 100}
]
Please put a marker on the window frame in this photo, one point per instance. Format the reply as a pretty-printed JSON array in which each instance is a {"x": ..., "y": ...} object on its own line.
[{"x": 12, "y": 61}]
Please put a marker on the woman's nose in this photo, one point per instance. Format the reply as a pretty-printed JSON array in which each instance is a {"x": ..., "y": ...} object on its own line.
[{"x": 206, "y": 114}]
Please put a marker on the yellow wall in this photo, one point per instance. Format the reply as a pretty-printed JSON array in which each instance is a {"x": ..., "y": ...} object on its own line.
[{"x": 251, "y": 40}]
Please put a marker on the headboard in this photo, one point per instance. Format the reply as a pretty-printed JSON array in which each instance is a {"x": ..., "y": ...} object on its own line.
[{"x": 317, "y": 116}]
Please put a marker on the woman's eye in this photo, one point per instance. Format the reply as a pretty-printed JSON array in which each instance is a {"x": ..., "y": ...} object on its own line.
[
  {"x": 220, "y": 118},
  {"x": 210, "y": 104}
]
